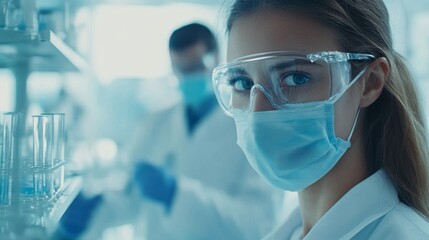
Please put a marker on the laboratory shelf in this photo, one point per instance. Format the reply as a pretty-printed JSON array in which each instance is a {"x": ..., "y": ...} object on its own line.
[
  {"x": 24, "y": 53},
  {"x": 37, "y": 216},
  {"x": 73, "y": 186},
  {"x": 42, "y": 52}
]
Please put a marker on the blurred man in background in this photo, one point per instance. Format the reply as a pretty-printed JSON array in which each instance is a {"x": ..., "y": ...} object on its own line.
[{"x": 190, "y": 179}]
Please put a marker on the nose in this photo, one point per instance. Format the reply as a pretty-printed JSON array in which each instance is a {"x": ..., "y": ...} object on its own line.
[{"x": 261, "y": 102}]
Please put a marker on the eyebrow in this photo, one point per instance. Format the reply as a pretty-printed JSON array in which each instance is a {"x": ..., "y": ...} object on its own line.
[
  {"x": 237, "y": 71},
  {"x": 283, "y": 65},
  {"x": 276, "y": 67}
]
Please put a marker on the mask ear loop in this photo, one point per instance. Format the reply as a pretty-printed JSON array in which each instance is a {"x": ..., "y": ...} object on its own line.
[
  {"x": 358, "y": 111},
  {"x": 354, "y": 125}
]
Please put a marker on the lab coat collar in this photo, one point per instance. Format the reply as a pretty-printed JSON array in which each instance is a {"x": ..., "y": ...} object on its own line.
[{"x": 363, "y": 204}]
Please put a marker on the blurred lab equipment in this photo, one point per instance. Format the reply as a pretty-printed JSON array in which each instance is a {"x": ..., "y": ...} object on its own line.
[
  {"x": 33, "y": 193},
  {"x": 34, "y": 188}
]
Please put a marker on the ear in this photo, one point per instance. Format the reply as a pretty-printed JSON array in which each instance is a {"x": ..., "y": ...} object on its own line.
[{"x": 374, "y": 80}]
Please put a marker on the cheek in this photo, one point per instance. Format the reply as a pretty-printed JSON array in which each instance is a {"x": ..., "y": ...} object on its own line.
[{"x": 345, "y": 111}]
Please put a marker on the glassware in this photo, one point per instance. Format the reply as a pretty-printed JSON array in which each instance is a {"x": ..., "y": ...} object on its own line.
[
  {"x": 58, "y": 137},
  {"x": 31, "y": 184},
  {"x": 43, "y": 140},
  {"x": 4, "y": 5},
  {"x": 10, "y": 153},
  {"x": 29, "y": 17},
  {"x": 43, "y": 161},
  {"x": 5, "y": 190},
  {"x": 13, "y": 15},
  {"x": 58, "y": 149}
]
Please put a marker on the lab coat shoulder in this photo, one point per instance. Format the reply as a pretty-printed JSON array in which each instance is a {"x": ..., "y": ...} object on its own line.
[
  {"x": 158, "y": 135},
  {"x": 218, "y": 192},
  {"x": 212, "y": 155},
  {"x": 370, "y": 210},
  {"x": 402, "y": 222}
]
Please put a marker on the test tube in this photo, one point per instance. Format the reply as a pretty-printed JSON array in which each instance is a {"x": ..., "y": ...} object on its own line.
[
  {"x": 2, "y": 136},
  {"x": 43, "y": 140},
  {"x": 5, "y": 190},
  {"x": 58, "y": 149},
  {"x": 29, "y": 17},
  {"x": 4, "y": 5},
  {"x": 58, "y": 137},
  {"x": 10, "y": 124},
  {"x": 43, "y": 136}
]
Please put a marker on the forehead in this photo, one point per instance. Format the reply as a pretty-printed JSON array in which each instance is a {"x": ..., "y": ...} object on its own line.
[
  {"x": 266, "y": 31},
  {"x": 191, "y": 54}
]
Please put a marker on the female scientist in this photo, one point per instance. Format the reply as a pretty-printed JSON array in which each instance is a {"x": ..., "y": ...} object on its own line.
[{"x": 324, "y": 106}]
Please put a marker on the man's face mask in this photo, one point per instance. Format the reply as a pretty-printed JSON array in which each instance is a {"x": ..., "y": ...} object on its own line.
[
  {"x": 194, "y": 80},
  {"x": 195, "y": 87}
]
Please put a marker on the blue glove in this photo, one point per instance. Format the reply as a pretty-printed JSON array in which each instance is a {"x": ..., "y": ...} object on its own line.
[
  {"x": 155, "y": 183},
  {"x": 77, "y": 216}
]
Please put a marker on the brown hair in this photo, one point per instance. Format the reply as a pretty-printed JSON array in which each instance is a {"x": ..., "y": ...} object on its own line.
[{"x": 394, "y": 128}]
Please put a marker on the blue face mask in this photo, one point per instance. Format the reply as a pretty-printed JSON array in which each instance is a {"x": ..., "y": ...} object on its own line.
[
  {"x": 294, "y": 147},
  {"x": 195, "y": 88}
]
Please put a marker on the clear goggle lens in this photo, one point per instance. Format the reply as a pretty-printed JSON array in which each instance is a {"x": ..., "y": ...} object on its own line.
[{"x": 284, "y": 77}]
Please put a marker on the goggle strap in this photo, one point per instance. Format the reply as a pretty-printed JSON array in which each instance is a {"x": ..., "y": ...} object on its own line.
[{"x": 340, "y": 94}]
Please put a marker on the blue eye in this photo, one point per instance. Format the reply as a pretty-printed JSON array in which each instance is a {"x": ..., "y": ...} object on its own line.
[
  {"x": 241, "y": 84},
  {"x": 295, "y": 79}
]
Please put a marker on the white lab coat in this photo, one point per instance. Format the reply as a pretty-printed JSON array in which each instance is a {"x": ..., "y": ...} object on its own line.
[
  {"x": 369, "y": 211},
  {"x": 219, "y": 196}
]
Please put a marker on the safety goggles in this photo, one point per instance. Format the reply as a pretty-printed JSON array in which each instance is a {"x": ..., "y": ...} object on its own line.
[{"x": 285, "y": 78}]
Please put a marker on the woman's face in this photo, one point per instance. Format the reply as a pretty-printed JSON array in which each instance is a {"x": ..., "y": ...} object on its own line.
[{"x": 267, "y": 31}]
